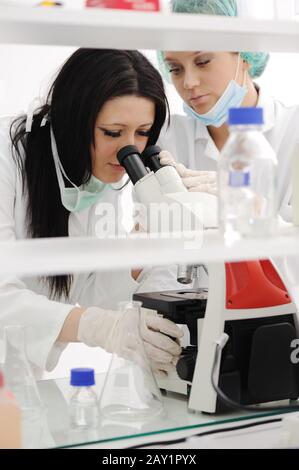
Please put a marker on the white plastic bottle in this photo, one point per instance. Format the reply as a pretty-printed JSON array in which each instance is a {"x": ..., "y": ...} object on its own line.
[
  {"x": 247, "y": 177},
  {"x": 83, "y": 406},
  {"x": 295, "y": 185}
]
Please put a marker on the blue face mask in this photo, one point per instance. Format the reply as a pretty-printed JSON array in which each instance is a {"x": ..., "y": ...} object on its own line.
[
  {"x": 232, "y": 97},
  {"x": 77, "y": 198}
]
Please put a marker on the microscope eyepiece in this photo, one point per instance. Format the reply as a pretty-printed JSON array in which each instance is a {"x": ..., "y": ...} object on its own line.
[
  {"x": 130, "y": 158},
  {"x": 126, "y": 152},
  {"x": 150, "y": 157}
]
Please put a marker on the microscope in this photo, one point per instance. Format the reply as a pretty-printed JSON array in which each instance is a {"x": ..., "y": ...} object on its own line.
[
  {"x": 161, "y": 187},
  {"x": 241, "y": 326}
]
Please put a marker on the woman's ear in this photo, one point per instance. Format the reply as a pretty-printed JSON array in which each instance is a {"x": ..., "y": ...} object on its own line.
[{"x": 245, "y": 65}]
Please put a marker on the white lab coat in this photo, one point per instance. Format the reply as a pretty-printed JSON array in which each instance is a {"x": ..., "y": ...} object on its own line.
[
  {"x": 26, "y": 301},
  {"x": 191, "y": 144}
]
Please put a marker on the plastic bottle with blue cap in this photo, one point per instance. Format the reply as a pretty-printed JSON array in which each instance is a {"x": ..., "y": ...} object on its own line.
[
  {"x": 247, "y": 171},
  {"x": 83, "y": 405}
]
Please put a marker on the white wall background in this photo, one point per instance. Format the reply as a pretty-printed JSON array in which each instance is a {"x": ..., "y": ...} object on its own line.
[{"x": 26, "y": 71}]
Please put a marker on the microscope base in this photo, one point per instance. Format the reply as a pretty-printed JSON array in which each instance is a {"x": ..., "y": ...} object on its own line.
[{"x": 173, "y": 383}]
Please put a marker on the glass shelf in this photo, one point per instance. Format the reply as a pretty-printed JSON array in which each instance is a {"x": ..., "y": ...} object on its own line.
[
  {"x": 66, "y": 255},
  {"x": 131, "y": 30},
  {"x": 56, "y": 431}
]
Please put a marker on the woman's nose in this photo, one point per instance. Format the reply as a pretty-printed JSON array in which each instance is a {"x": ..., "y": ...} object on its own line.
[
  {"x": 191, "y": 79},
  {"x": 127, "y": 140}
]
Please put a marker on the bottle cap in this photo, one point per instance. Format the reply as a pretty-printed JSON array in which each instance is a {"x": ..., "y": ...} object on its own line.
[
  {"x": 246, "y": 116},
  {"x": 82, "y": 377}
]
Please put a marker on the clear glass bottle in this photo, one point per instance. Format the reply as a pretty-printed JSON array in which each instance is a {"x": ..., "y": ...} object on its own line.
[
  {"x": 247, "y": 177},
  {"x": 295, "y": 186},
  {"x": 17, "y": 369},
  {"x": 20, "y": 379},
  {"x": 83, "y": 406}
]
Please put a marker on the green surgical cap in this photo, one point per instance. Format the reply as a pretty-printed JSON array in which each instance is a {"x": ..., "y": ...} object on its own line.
[
  {"x": 257, "y": 60},
  {"x": 208, "y": 7}
]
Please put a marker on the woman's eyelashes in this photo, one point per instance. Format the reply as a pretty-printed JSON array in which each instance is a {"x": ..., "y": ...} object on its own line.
[
  {"x": 115, "y": 134},
  {"x": 176, "y": 70},
  {"x": 202, "y": 63},
  {"x": 144, "y": 133},
  {"x": 111, "y": 133}
]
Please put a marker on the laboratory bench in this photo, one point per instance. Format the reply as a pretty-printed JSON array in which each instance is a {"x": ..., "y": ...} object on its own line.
[{"x": 52, "y": 430}]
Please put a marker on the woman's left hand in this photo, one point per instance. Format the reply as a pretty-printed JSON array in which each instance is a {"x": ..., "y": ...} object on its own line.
[{"x": 195, "y": 181}]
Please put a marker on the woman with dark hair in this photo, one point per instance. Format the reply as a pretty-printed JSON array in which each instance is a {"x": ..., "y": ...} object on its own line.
[{"x": 56, "y": 165}]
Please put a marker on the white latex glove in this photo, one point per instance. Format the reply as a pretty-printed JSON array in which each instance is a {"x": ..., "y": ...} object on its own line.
[
  {"x": 163, "y": 369},
  {"x": 195, "y": 181},
  {"x": 99, "y": 327},
  {"x": 159, "y": 347}
]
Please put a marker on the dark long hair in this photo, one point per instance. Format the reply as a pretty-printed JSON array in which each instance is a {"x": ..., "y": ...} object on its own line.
[{"x": 85, "y": 82}]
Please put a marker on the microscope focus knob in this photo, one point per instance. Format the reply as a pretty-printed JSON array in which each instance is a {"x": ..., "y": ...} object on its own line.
[{"x": 185, "y": 366}]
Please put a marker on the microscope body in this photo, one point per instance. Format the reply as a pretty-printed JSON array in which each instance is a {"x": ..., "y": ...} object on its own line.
[{"x": 248, "y": 301}]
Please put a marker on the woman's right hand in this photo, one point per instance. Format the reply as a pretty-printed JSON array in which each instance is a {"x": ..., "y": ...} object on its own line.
[{"x": 160, "y": 336}]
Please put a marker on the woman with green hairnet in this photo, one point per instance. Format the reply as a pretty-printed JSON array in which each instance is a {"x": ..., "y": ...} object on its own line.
[{"x": 210, "y": 83}]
